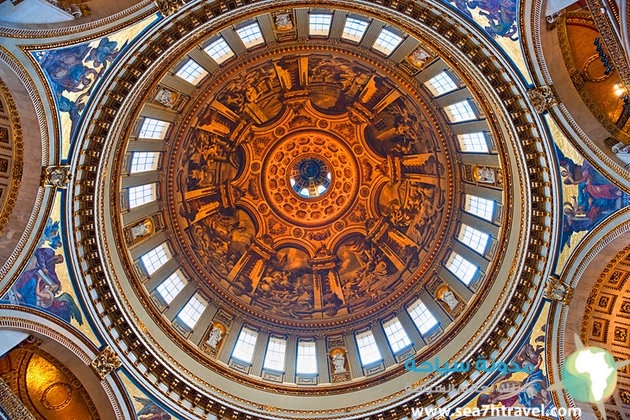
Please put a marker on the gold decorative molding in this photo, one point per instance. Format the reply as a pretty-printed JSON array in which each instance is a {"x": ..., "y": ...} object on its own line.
[
  {"x": 90, "y": 26},
  {"x": 168, "y": 7},
  {"x": 11, "y": 404},
  {"x": 530, "y": 16},
  {"x": 579, "y": 78},
  {"x": 15, "y": 141},
  {"x": 610, "y": 39},
  {"x": 106, "y": 362}
]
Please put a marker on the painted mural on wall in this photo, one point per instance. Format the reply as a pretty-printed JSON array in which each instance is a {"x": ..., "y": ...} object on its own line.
[
  {"x": 73, "y": 71},
  {"x": 150, "y": 410},
  {"x": 145, "y": 406},
  {"x": 39, "y": 285},
  {"x": 588, "y": 197},
  {"x": 522, "y": 389},
  {"x": 497, "y": 17},
  {"x": 301, "y": 256}
]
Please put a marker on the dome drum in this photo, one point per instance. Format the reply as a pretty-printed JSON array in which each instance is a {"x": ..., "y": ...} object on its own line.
[{"x": 382, "y": 235}]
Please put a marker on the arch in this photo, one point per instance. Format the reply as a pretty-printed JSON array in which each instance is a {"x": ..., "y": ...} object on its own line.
[
  {"x": 583, "y": 274},
  {"x": 542, "y": 50},
  {"x": 30, "y": 138},
  {"x": 36, "y": 20},
  {"x": 76, "y": 353}
]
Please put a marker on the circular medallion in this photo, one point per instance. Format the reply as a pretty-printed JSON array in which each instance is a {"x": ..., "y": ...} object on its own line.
[
  {"x": 56, "y": 396},
  {"x": 311, "y": 178}
]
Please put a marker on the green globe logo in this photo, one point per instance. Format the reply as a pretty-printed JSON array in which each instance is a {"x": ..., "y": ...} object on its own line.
[{"x": 590, "y": 375}]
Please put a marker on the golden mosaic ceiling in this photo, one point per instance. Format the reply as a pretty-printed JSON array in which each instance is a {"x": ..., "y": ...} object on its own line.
[{"x": 310, "y": 187}]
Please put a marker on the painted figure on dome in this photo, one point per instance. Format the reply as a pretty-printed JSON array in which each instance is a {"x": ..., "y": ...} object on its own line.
[
  {"x": 150, "y": 410},
  {"x": 37, "y": 286},
  {"x": 287, "y": 285},
  {"x": 51, "y": 234},
  {"x": 499, "y": 16},
  {"x": 530, "y": 391},
  {"x": 40, "y": 287},
  {"x": 74, "y": 70},
  {"x": 595, "y": 199}
]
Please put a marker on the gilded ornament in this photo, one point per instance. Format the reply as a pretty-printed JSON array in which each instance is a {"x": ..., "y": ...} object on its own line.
[
  {"x": 106, "y": 362},
  {"x": 542, "y": 98},
  {"x": 57, "y": 176},
  {"x": 168, "y": 7},
  {"x": 557, "y": 290},
  {"x": 11, "y": 404},
  {"x": 56, "y": 391},
  {"x": 283, "y": 22}
]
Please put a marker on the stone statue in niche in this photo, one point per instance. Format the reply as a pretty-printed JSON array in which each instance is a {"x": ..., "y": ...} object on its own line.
[
  {"x": 215, "y": 336},
  {"x": 166, "y": 97},
  {"x": 142, "y": 229},
  {"x": 419, "y": 58},
  {"x": 447, "y": 296},
  {"x": 339, "y": 363},
  {"x": 484, "y": 175},
  {"x": 283, "y": 22}
]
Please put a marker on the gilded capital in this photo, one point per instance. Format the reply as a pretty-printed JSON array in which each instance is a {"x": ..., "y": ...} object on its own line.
[{"x": 168, "y": 7}]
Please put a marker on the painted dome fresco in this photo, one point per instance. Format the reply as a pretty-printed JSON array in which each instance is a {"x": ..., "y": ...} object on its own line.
[
  {"x": 332, "y": 209},
  {"x": 309, "y": 200}
]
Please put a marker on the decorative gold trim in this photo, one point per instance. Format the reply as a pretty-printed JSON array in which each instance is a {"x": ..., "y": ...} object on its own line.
[
  {"x": 611, "y": 40},
  {"x": 607, "y": 232},
  {"x": 47, "y": 325},
  {"x": 16, "y": 142},
  {"x": 557, "y": 290},
  {"x": 22, "y": 33},
  {"x": 542, "y": 98},
  {"x": 168, "y": 7},
  {"x": 535, "y": 60},
  {"x": 579, "y": 77},
  {"x": 56, "y": 176},
  {"x": 106, "y": 362},
  {"x": 11, "y": 405}
]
